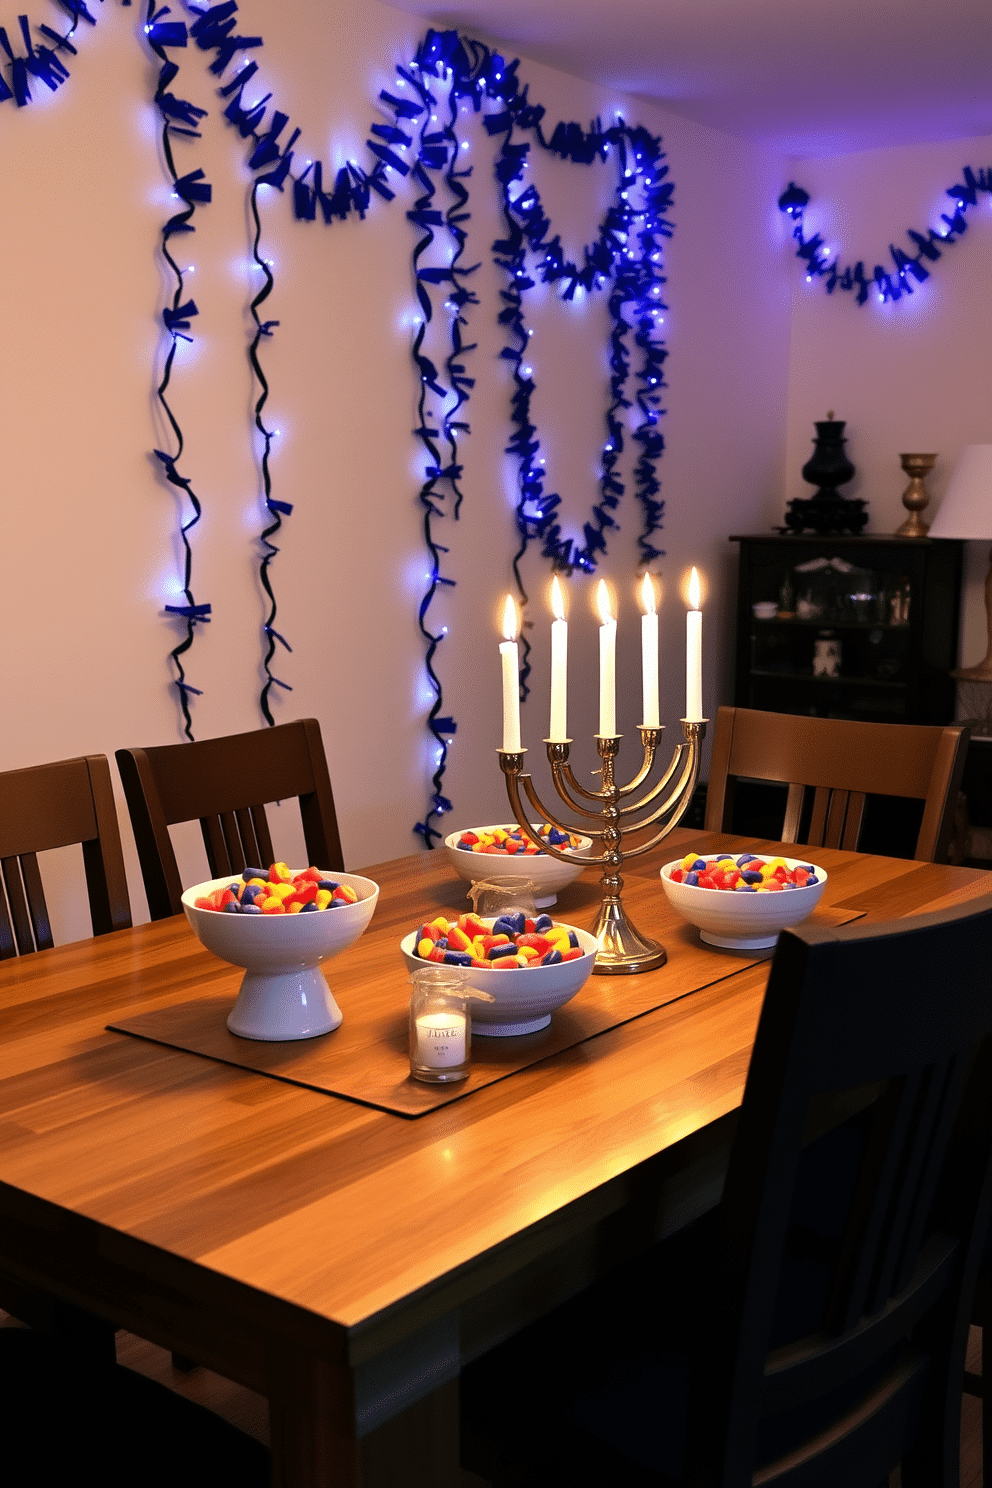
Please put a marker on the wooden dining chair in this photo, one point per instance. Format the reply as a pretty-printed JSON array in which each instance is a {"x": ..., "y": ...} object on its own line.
[
  {"x": 42, "y": 807},
  {"x": 812, "y": 1332},
  {"x": 225, "y": 784},
  {"x": 831, "y": 766},
  {"x": 976, "y": 1383},
  {"x": 49, "y": 806}
]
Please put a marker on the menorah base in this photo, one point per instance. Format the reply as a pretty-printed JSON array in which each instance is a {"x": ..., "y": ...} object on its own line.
[{"x": 622, "y": 948}]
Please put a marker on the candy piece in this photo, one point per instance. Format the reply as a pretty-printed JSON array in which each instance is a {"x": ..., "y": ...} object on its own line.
[{"x": 498, "y": 952}]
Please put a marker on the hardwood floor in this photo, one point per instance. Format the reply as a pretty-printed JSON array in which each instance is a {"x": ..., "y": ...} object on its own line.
[{"x": 250, "y": 1412}]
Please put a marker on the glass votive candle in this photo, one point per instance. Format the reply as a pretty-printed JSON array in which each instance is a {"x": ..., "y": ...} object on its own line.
[{"x": 440, "y": 1025}]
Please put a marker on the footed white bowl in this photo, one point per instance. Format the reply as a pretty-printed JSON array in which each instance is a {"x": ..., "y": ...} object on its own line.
[
  {"x": 525, "y": 998},
  {"x": 283, "y": 992},
  {"x": 548, "y": 874},
  {"x": 742, "y": 922}
]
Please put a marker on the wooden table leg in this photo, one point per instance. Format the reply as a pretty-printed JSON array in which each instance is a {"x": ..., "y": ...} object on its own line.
[
  {"x": 311, "y": 1422},
  {"x": 418, "y": 1448}
]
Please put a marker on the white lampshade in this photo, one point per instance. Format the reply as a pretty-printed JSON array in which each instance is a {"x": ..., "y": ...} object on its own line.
[{"x": 966, "y": 510}]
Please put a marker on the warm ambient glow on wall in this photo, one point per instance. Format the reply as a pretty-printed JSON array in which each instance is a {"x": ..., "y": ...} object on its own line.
[{"x": 419, "y": 140}]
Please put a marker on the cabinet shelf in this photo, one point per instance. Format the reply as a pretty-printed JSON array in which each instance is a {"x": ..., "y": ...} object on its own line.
[
  {"x": 831, "y": 624},
  {"x": 884, "y": 683},
  {"x": 774, "y": 656}
]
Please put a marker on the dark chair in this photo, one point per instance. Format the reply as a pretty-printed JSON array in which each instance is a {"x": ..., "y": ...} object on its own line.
[
  {"x": 49, "y": 806},
  {"x": 226, "y": 783},
  {"x": 831, "y": 765},
  {"x": 981, "y": 1384},
  {"x": 812, "y": 1332}
]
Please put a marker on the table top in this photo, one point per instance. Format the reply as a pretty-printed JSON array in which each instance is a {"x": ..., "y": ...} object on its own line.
[{"x": 312, "y": 1213}]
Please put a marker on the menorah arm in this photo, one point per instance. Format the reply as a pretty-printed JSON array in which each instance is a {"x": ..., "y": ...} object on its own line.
[
  {"x": 656, "y": 790},
  {"x": 562, "y": 772},
  {"x": 672, "y": 810},
  {"x": 650, "y": 739},
  {"x": 510, "y": 764}
]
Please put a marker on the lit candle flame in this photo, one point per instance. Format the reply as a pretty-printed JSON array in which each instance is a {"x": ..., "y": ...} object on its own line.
[
  {"x": 509, "y": 619},
  {"x": 603, "y": 603},
  {"x": 557, "y": 599},
  {"x": 695, "y": 596},
  {"x": 647, "y": 595}
]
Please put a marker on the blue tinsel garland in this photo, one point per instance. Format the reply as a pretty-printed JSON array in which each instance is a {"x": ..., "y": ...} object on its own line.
[
  {"x": 181, "y": 118},
  {"x": 625, "y": 254},
  {"x": 889, "y": 284}
]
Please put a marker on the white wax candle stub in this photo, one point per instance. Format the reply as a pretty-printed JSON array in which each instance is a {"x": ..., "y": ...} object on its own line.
[
  {"x": 511, "y": 697},
  {"x": 441, "y": 1039},
  {"x": 649, "y": 669},
  {"x": 693, "y": 666},
  {"x": 694, "y": 653},
  {"x": 511, "y": 679},
  {"x": 607, "y": 665},
  {"x": 558, "y": 731}
]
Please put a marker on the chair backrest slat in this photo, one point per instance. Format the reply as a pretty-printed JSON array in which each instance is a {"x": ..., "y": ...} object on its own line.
[
  {"x": 69, "y": 802},
  {"x": 224, "y": 784},
  {"x": 842, "y": 762},
  {"x": 17, "y": 903}
]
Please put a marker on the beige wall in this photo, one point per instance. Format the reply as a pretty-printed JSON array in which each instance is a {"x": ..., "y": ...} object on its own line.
[{"x": 90, "y": 529}]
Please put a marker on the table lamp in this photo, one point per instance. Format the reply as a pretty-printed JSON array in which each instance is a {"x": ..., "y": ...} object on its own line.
[{"x": 966, "y": 512}]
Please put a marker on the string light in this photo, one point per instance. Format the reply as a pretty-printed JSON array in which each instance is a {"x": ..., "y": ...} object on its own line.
[{"x": 889, "y": 284}]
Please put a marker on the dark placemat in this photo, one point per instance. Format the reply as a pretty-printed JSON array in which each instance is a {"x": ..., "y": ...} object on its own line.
[{"x": 367, "y": 1058}]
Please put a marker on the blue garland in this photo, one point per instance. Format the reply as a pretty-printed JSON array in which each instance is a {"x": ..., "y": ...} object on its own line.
[
  {"x": 181, "y": 118},
  {"x": 276, "y": 509},
  {"x": 894, "y": 283},
  {"x": 626, "y": 254}
]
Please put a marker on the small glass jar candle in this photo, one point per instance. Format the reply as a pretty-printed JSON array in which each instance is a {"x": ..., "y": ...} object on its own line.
[{"x": 440, "y": 1025}]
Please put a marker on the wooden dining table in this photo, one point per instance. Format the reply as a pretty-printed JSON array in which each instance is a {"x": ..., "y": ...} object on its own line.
[{"x": 343, "y": 1260}]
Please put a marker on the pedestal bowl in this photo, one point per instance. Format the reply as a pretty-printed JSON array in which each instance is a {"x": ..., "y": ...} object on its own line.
[{"x": 283, "y": 993}]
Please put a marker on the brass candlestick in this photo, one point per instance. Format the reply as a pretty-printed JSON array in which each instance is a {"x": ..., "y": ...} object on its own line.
[
  {"x": 622, "y": 948},
  {"x": 916, "y": 496}
]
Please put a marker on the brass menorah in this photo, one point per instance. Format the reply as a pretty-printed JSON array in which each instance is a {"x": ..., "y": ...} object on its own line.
[{"x": 622, "y": 948}]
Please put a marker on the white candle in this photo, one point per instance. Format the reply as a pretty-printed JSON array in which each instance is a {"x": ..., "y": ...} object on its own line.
[
  {"x": 558, "y": 730},
  {"x": 511, "y": 679},
  {"x": 441, "y": 1039},
  {"x": 607, "y": 664},
  {"x": 694, "y": 653},
  {"x": 649, "y": 654}
]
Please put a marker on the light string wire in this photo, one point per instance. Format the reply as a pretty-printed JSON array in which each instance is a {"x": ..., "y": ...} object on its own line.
[
  {"x": 887, "y": 284},
  {"x": 181, "y": 118},
  {"x": 471, "y": 71},
  {"x": 275, "y": 509}
]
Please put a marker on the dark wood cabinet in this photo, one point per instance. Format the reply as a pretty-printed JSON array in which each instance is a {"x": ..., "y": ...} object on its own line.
[{"x": 848, "y": 627}]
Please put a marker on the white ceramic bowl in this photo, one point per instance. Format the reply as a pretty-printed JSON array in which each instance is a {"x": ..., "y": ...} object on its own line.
[
  {"x": 525, "y": 998},
  {"x": 547, "y": 873},
  {"x": 283, "y": 992},
  {"x": 742, "y": 922}
]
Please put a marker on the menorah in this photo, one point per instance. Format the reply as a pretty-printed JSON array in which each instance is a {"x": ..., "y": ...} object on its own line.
[{"x": 622, "y": 948}]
